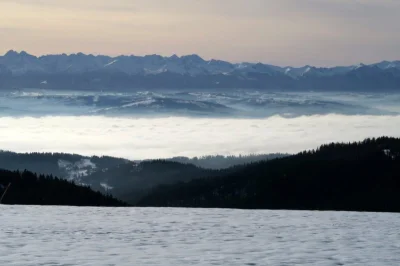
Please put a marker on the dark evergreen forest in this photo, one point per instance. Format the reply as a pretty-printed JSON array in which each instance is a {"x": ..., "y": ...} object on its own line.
[
  {"x": 48, "y": 163},
  {"x": 362, "y": 176},
  {"x": 133, "y": 181},
  {"x": 222, "y": 162},
  {"x": 28, "y": 188}
]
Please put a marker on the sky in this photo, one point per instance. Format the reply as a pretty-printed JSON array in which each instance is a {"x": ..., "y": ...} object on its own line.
[
  {"x": 144, "y": 138},
  {"x": 280, "y": 32}
]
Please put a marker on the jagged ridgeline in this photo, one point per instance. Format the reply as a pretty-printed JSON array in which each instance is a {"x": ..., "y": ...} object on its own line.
[
  {"x": 88, "y": 72},
  {"x": 362, "y": 176},
  {"x": 30, "y": 189}
]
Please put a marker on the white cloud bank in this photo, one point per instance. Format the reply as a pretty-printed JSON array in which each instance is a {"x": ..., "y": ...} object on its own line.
[{"x": 143, "y": 138}]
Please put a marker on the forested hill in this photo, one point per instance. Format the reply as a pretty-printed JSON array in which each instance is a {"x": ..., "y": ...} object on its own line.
[
  {"x": 223, "y": 162},
  {"x": 63, "y": 165},
  {"x": 362, "y": 176},
  {"x": 125, "y": 179},
  {"x": 130, "y": 182},
  {"x": 29, "y": 189}
]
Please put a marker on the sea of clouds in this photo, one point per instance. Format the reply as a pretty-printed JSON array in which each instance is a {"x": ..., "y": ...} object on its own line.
[{"x": 146, "y": 138}]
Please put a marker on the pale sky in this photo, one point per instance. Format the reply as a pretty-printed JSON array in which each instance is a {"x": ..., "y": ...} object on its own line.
[{"x": 281, "y": 32}]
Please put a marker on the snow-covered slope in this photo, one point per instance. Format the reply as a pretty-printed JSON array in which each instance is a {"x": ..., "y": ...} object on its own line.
[
  {"x": 388, "y": 64},
  {"x": 77, "y": 170},
  {"x": 37, "y": 235},
  {"x": 311, "y": 71}
]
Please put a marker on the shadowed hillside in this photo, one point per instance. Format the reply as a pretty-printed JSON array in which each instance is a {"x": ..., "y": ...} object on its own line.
[
  {"x": 123, "y": 178},
  {"x": 63, "y": 165},
  {"x": 362, "y": 176},
  {"x": 131, "y": 181},
  {"x": 29, "y": 189}
]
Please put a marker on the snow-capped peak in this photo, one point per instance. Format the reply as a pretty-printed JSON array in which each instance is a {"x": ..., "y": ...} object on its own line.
[{"x": 360, "y": 65}]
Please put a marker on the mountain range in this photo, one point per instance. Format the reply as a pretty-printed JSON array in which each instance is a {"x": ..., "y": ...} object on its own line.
[{"x": 81, "y": 71}]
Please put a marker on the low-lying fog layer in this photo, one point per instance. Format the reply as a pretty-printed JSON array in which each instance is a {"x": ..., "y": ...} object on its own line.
[
  {"x": 227, "y": 104},
  {"x": 143, "y": 138}
]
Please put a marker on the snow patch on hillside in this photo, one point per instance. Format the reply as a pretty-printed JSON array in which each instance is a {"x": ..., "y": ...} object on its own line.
[
  {"x": 106, "y": 186},
  {"x": 77, "y": 170}
]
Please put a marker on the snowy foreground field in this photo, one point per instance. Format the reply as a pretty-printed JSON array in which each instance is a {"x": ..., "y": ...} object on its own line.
[{"x": 131, "y": 236}]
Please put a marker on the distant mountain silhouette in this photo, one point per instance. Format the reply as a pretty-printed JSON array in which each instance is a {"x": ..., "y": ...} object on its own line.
[{"x": 89, "y": 72}]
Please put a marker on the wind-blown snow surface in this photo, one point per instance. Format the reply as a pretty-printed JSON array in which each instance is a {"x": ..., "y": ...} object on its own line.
[
  {"x": 146, "y": 138},
  {"x": 131, "y": 236}
]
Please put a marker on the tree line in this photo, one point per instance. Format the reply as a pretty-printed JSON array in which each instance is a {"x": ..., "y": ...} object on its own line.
[
  {"x": 360, "y": 176},
  {"x": 28, "y": 188}
]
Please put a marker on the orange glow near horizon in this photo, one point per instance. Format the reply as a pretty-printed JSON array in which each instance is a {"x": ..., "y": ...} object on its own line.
[{"x": 335, "y": 32}]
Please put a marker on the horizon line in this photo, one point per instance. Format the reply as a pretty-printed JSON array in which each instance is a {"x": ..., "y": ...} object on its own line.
[{"x": 186, "y": 55}]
